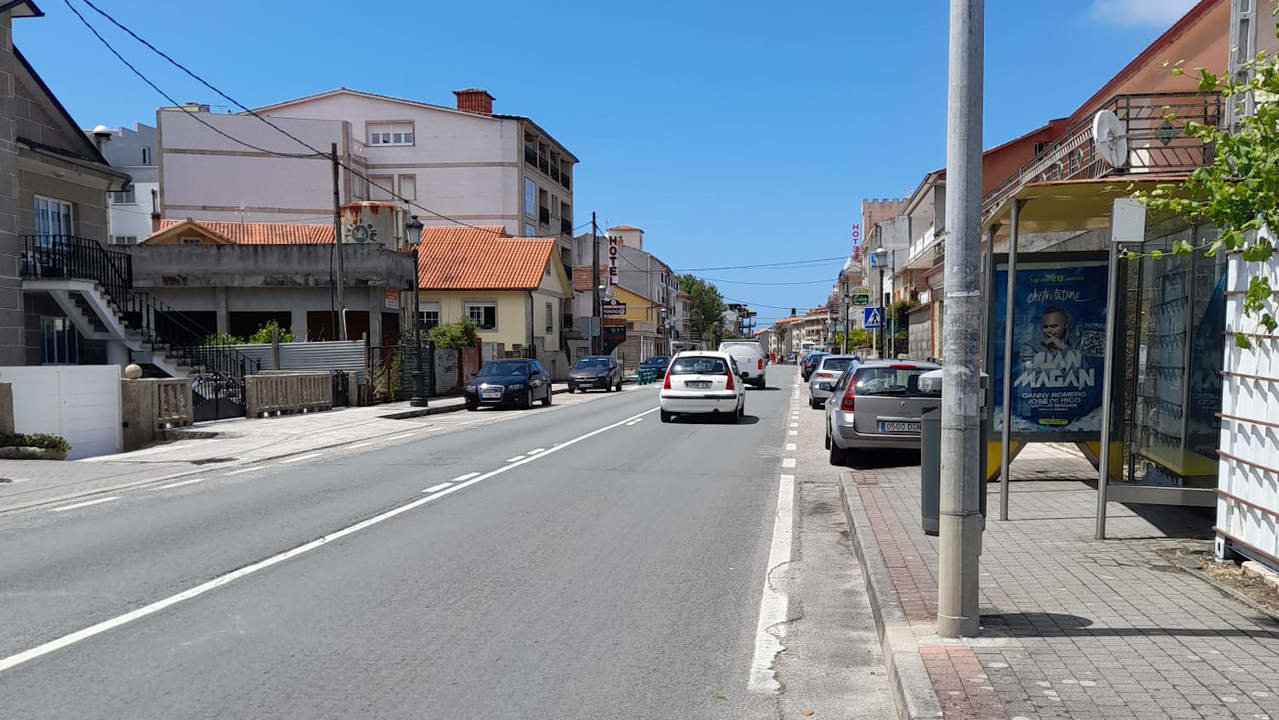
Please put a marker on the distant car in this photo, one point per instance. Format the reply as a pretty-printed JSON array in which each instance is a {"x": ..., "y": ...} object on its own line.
[
  {"x": 877, "y": 404},
  {"x": 791, "y": 358},
  {"x": 750, "y": 360},
  {"x": 702, "y": 382},
  {"x": 657, "y": 363},
  {"x": 595, "y": 372},
  {"x": 810, "y": 363},
  {"x": 509, "y": 382},
  {"x": 825, "y": 375}
]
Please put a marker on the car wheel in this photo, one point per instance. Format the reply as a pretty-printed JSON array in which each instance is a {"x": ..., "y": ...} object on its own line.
[
  {"x": 837, "y": 455},
  {"x": 528, "y": 398},
  {"x": 472, "y": 406},
  {"x": 741, "y": 411},
  {"x": 619, "y": 385},
  {"x": 667, "y": 417},
  {"x": 546, "y": 401},
  {"x": 762, "y": 384},
  {"x": 828, "y": 437}
]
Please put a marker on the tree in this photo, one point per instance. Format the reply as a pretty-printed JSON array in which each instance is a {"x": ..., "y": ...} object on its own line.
[
  {"x": 1238, "y": 191},
  {"x": 706, "y": 311}
]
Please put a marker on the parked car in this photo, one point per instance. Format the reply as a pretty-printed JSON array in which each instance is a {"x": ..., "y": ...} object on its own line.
[
  {"x": 750, "y": 359},
  {"x": 595, "y": 372},
  {"x": 810, "y": 363},
  {"x": 657, "y": 363},
  {"x": 877, "y": 404},
  {"x": 702, "y": 382},
  {"x": 508, "y": 382},
  {"x": 825, "y": 375}
]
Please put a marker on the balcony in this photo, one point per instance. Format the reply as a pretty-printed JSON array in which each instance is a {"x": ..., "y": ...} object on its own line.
[
  {"x": 544, "y": 164},
  {"x": 555, "y": 172},
  {"x": 565, "y": 181},
  {"x": 566, "y": 226},
  {"x": 544, "y": 216},
  {"x": 530, "y": 156},
  {"x": 1156, "y": 145}
]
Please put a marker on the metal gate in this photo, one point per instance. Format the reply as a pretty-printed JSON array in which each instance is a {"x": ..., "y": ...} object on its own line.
[{"x": 216, "y": 396}]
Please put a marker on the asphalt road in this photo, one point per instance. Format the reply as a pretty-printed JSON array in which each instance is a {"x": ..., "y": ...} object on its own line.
[{"x": 587, "y": 561}]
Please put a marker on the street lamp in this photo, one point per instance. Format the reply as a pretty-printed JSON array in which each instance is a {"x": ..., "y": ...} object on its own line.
[
  {"x": 413, "y": 233},
  {"x": 881, "y": 258}
]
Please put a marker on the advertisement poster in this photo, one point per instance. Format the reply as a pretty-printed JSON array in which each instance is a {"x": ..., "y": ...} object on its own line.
[{"x": 1058, "y": 351}]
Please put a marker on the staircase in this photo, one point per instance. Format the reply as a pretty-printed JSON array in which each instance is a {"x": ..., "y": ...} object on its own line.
[{"x": 94, "y": 288}]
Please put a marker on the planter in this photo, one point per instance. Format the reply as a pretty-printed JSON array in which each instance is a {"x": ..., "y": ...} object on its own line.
[{"x": 31, "y": 453}]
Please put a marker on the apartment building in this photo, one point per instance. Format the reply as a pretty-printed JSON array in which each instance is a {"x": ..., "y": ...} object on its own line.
[
  {"x": 465, "y": 162},
  {"x": 131, "y": 150}
]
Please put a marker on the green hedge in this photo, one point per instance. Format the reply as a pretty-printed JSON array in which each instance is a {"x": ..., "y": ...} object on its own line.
[{"x": 39, "y": 440}]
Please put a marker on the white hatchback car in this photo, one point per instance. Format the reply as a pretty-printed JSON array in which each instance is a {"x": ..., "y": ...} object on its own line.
[{"x": 703, "y": 382}]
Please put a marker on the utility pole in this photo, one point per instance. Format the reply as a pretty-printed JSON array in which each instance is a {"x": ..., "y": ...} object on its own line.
[
  {"x": 883, "y": 317},
  {"x": 337, "y": 240},
  {"x": 596, "y": 330},
  {"x": 848, "y": 311},
  {"x": 960, "y": 521}
]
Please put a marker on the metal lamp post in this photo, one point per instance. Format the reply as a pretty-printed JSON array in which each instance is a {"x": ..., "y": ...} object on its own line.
[{"x": 413, "y": 231}]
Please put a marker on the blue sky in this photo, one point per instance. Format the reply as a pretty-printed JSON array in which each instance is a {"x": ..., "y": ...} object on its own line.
[{"x": 732, "y": 132}]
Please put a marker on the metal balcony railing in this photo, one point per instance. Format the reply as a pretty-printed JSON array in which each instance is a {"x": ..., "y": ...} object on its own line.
[
  {"x": 1156, "y": 144},
  {"x": 530, "y": 156},
  {"x": 544, "y": 216},
  {"x": 566, "y": 226},
  {"x": 564, "y": 180}
]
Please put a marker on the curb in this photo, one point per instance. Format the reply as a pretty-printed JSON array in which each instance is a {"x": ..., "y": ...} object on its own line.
[{"x": 913, "y": 693}]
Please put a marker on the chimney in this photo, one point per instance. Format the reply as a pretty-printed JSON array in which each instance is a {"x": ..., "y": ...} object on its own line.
[
  {"x": 474, "y": 100},
  {"x": 155, "y": 210},
  {"x": 101, "y": 136}
]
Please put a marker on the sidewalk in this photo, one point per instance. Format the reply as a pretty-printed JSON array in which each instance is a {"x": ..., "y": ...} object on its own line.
[
  {"x": 1072, "y": 627},
  {"x": 219, "y": 444}
]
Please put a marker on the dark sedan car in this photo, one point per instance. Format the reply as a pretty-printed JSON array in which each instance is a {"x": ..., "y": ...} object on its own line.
[
  {"x": 657, "y": 363},
  {"x": 509, "y": 382},
  {"x": 598, "y": 372},
  {"x": 810, "y": 362}
]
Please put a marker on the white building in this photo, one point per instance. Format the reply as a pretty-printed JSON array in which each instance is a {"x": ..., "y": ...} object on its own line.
[
  {"x": 464, "y": 162},
  {"x": 133, "y": 151}
]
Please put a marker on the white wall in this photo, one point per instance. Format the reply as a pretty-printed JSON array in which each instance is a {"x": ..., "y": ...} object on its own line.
[{"x": 79, "y": 402}]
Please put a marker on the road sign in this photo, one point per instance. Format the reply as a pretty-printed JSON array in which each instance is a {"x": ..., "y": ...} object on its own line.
[
  {"x": 877, "y": 259},
  {"x": 859, "y": 295},
  {"x": 872, "y": 318},
  {"x": 613, "y": 308}
]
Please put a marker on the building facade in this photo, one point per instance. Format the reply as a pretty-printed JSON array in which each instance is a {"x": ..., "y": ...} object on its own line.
[{"x": 131, "y": 150}]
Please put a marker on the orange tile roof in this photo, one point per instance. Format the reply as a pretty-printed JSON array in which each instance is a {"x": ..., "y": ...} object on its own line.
[
  {"x": 255, "y": 233},
  {"x": 462, "y": 233},
  {"x": 582, "y": 277},
  {"x": 469, "y": 259}
]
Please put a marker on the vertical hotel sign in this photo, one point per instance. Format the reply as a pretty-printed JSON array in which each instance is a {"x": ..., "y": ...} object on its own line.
[
  {"x": 613, "y": 249},
  {"x": 857, "y": 240}
]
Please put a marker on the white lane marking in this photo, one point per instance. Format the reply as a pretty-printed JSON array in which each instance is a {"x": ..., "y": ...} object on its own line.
[
  {"x": 441, "y": 486},
  {"x": 400, "y": 436},
  {"x": 793, "y": 432},
  {"x": 217, "y": 582},
  {"x": 463, "y": 478},
  {"x": 794, "y": 425},
  {"x": 300, "y": 458},
  {"x": 517, "y": 458},
  {"x": 535, "y": 451},
  {"x": 65, "y": 508},
  {"x": 774, "y": 602},
  {"x": 630, "y": 424},
  {"x": 788, "y": 462},
  {"x": 791, "y": 447},
  {"x": 247, "y": 469},
  {"x": 180, "y": 484},
  {"x": 360, "y": 445}
]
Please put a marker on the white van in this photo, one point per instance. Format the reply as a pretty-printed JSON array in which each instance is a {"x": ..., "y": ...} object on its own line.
[{"x": 750, "y": 359}]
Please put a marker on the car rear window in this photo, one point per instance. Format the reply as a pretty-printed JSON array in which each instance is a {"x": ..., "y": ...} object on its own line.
[
  {"x": 699, "y": 366},
  {"x": 837, "y": 364},
  {"x": 899, "y": 381}
]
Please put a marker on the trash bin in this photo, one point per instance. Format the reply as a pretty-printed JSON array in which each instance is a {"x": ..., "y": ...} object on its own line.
[{"x": 930, "y": 453}]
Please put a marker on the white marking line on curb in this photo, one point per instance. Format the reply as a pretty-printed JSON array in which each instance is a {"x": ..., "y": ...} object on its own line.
[
  {"x": 441, "y": 486},
  {"x": 774, "y": 602},
  {"x": 788, "y": 462},
  {"x": 359, "y": 445},
  {"x": 517, "y": 458},
  {"x": 400, "y": 436},
  {"x": 181, "y": 483},
  {"x": 794, "y": 425},
  {"x": 64, "y": 508},
  {"x": 300, "y": 458},
  {"x": 241, "y": 472},
  {"x": 217, "y": 582},
  {"x": 464, "y": 478},
  {"x": 791, "y": 447},
  {"x": 793, "y": 432}
]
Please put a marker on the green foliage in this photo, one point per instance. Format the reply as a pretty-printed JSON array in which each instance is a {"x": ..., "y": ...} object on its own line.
[
  {"x": 455, "y": 335},
  {"x": 263, "y": 334},
  {"x": 706, "y": 308},
  {"x": 857, "y": 338},
  {"x": 47, "y": 441},
  {"x": 223, "y": 339}
]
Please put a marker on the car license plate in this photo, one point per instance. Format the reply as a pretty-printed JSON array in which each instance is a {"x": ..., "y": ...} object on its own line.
[
  {"x": 699, "y": 384},
  {"x": 823, "y": 386},
  {"x": 899, "y": 427},
  {"x": 491, "y": 394}
]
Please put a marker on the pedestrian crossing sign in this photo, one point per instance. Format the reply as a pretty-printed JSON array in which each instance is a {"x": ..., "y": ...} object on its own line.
[{"x": 872, "y": 318}]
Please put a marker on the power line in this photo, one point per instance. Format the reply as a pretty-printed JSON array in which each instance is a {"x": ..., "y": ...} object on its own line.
[
  {"x": 240, "y": 105},
  {"x": 748, "y": 282},
  {"x": 793, "y": 263}
]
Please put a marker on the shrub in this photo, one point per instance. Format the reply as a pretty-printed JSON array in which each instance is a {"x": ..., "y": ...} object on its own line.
[
  {"x": 263, "y": 334},
  {"x": 223, "y": 339},
  {"x": 47, "y": 441},
  {"x": 455, "y": 335}
]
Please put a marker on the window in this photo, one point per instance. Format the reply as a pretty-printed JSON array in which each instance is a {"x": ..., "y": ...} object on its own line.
[
  {"x": 124, "y": 197},
  {"x": 53, "y": 217},
  {"x": 429, "y": 315},
  {"x": 146, "y": 156},
  {"x": 483, "y": 314},
  {"x": 408, "y": 187},
  {"x": 60, "y": 343},
  {"x": 191, "y": 240},
  {"x": 390, "y": 133},
  {"x": 530, "y": 198},
  {"x": 529, "y": 230},
  {"x": 555, "y": 206},
  {"x": 380, "y": 187},
  {"x": 550, "y": 319},
  {"x": 358, "y": 187},
  {"x": 123, "y": 239}
]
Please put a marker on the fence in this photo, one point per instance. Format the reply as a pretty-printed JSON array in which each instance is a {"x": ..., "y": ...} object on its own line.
[
  {"x": 391, "y": 370},
  {"x": 287, "y": 393},
  {"x": 152, "y": 405},
  {"x": 345, "y": 355}
]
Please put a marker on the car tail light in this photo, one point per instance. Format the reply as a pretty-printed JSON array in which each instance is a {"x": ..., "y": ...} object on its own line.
[
  {"x": 903, "y": 366},
  {"x": 730, "y": 382},
  {"x": 847, "y": 403},
  {"x": 666, "y": 384},
  {"x": 761, "y": 363}
]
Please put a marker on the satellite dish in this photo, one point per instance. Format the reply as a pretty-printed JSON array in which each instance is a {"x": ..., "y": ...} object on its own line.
[{"x": 1110, "y": 137}]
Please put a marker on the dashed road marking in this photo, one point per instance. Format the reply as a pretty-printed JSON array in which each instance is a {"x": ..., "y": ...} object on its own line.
[
  {"x": 99, "y": 501},
  {"x": 441, "y": 486},
  {"x": 791, "y": 447},
  {"x": 517, "y": 458},
  {"x": 401, "y": 436},
  {"x": 360, "y": 445},
  {"x": 788, "y": 462},
  {"x": 464, "y": 478},
  {"x": 243, "y": 470},
  {"x": 192, "y": 481},
  {"x": 300, "y": 458}
]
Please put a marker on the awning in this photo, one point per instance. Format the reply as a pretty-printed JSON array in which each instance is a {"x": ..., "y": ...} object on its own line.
[{"x": 1069, "y": 205}]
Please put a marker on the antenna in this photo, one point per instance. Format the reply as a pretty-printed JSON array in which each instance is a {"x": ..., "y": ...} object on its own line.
[{"x": 1110, "y": 137}]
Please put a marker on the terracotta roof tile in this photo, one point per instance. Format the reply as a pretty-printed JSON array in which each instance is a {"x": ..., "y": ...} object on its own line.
[
  {"x": 463, "y": 258},
  {"x": 582, "y": 277},
  {"x": 263, "y": 233}
]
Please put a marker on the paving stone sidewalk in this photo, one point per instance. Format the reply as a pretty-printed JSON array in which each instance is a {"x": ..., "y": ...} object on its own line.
[{"x": 1072, "y": 627}]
